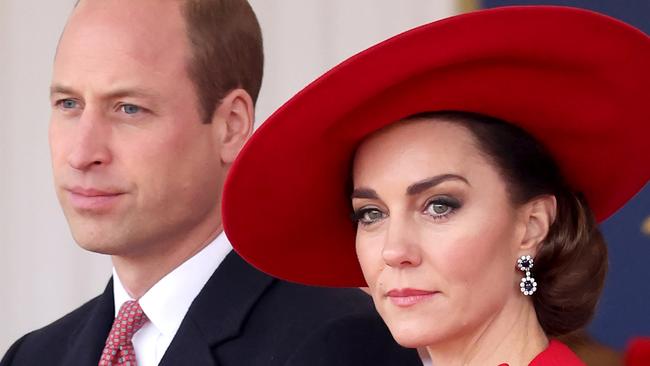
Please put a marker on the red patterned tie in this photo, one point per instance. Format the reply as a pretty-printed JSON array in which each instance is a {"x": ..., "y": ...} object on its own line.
[{"x": 119, "y": 348}]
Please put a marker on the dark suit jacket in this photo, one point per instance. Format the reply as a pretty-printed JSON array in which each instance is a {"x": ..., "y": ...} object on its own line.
[{"x": 241, "y": 317}]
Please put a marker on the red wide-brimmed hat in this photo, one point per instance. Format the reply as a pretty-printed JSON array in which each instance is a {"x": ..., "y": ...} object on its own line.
[{"x": 577, "y": 80}]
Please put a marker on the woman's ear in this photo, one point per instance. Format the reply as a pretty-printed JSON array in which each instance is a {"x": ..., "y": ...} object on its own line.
[
  {"x": 539, "y": 215},
  {"x": 233, "y": 124}
]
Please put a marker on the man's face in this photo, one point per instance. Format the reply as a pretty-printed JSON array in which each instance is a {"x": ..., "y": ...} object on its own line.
[{"x": 135, "y": 168}]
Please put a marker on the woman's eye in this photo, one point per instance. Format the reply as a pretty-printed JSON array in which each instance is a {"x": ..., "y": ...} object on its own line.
[
  {"x": 130, "y": 108},
  {"x": 440, "y": 208},
  {"x": 437, "y": 209},
  {"x": 372, "y": 215},
  {"x": 368, "y": 216}
]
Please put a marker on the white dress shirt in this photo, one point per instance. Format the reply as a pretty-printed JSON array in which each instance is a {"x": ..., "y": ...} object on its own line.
[{"x": 167, "y": 302}]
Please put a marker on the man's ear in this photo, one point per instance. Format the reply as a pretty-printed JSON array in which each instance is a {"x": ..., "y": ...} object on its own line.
[
  {"x": 538, "y": 215},
  {"x": 233, "y": 123}
]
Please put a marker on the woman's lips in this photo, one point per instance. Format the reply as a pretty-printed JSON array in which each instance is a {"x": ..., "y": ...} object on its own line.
[
  {"x": 409, "y": 297},
  {"x": 94, "y": 200}
]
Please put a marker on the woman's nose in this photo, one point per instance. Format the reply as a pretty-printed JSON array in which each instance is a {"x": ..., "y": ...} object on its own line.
[{"x": 401, "y": 247}]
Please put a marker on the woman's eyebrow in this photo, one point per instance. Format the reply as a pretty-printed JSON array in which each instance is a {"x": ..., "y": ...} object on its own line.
[
  {"x": 364, "y": 193},
  {"x": 427, "y": 183},
  {"x": 413, "y": 189}
]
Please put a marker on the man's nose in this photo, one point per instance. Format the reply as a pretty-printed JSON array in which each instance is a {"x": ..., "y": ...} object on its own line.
[{"x": 90, "y": 145}]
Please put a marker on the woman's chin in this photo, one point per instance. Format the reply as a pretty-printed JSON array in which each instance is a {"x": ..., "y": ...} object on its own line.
[{"x": 413, "y": 336}]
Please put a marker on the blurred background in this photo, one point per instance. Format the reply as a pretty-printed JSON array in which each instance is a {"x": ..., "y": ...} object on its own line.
[{"x": 44, "y": 275}]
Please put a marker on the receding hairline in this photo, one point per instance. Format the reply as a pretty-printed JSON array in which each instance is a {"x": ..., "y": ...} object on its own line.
[{"x": 237, "y": 44}]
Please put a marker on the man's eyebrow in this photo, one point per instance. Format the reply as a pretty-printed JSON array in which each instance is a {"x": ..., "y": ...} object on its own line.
[
  {"x": 427, "y": 183},
  {"x": 113, "y": 94},
  {"x": 61, "y": 89},
  {"x": 132, "y": 92}
]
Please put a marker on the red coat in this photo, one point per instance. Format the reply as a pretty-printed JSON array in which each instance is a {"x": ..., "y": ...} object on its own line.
[
  {"x": 638, "y": 352},
  {"x": 556, "y": 354}
]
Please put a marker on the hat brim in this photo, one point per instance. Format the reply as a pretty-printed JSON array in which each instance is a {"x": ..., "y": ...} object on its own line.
[{"x": 574, "y": 79}]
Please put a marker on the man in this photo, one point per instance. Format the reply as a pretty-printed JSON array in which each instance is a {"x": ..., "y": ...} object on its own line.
[{"x": 151, "y": 102}]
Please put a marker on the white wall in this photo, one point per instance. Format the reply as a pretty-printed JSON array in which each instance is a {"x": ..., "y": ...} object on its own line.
[
  {"x": 43, "y": 274},
  {"x": 304, "y": 38}
]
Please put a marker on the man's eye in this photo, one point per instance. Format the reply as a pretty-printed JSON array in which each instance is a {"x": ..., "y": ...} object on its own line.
[
  {"x": 68, "y": 103},
  {"x": 130, "y": 108}
]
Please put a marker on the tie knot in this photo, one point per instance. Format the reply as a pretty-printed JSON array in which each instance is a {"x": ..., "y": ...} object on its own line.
[
  {"x": 119, "y": 348},
  {"x": 129, "y": 319}
]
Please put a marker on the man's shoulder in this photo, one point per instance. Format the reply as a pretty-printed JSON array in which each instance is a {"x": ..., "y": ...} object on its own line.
[
  {"x": 321, "y": 302},
  {"x": 51, "y": 338},
  {"x": 71, "y": 320},
  {"x": 300, "y": 311},
  {"x": 268, "y": 301},
  {"x": 322, "y": 326}
]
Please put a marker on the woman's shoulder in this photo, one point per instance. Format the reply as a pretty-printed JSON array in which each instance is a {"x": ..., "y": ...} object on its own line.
[{"x": 557, "y": 353}]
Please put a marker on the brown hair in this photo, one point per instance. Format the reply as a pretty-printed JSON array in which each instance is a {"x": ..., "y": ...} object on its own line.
[
  {"x": 226, "y": 43},
  {"x": 571, "y": 263}
]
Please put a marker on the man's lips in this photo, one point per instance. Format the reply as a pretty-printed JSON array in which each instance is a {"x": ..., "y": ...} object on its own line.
[
  {"x": 91, "y": 192},
  {"x": 408, "y": 297},
  {"x": 92, "y": 199}
]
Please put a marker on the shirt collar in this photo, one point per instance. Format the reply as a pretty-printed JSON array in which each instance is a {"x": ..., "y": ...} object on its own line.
[{"x": 167, "y": 302}]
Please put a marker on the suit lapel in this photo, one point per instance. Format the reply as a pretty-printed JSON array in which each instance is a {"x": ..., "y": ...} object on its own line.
[
  {"x": 87, "y": 343},
  {"x": 189, "y": 347},
  {"x": 218, "y": 312}
]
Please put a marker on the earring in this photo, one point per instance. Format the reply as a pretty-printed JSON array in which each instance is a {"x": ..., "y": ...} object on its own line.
[{"x": 528, "y": 286}]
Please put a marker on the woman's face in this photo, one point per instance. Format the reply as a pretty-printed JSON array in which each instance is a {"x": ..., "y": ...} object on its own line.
[{"x": 437, "y": 237}]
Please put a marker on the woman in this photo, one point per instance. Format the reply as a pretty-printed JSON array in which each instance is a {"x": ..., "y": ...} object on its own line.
[{"x": 476, "y": 155}]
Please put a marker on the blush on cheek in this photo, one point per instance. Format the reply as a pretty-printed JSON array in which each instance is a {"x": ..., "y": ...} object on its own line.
[
  {"x": 474, "y": 261},
  {"x": 463, "y": 257},
  {"x": 482, "y": 275}
]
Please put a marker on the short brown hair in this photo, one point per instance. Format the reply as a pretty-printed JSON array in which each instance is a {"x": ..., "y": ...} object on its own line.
[
  {"x": 571, "y": 264},
  {"x": 226, "y": 43}
]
